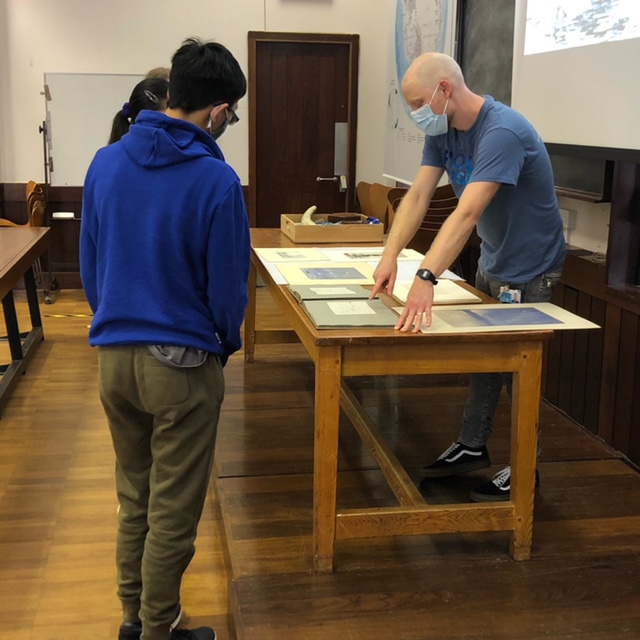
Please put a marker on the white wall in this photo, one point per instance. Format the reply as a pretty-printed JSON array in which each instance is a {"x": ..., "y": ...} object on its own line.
[
  {"x": 126, "y": 36},
  {"x": 591, "y": 231},
  {"x": 132, "y": 36}
]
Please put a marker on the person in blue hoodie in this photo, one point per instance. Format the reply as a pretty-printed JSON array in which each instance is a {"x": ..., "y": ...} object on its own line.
[{"x": 164, "y": 259}]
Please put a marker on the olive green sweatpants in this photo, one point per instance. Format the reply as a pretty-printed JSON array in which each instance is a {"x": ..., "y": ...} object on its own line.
[{"x": 163, "y": 424}]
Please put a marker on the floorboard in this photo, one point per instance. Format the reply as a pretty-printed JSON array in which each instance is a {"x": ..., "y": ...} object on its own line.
[
  {"x": 580, "y": 581},
  {"x": 251, "y": 577}
]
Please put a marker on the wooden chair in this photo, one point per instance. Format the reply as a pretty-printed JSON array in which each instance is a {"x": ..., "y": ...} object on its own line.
[
  {"x": 36, "y": 209},
  {"x": 363, "y": 191},
  {"x": 394, "y": 198},
  {"x": 380, "y": 196},
  {"x": 443, "y": 203}
]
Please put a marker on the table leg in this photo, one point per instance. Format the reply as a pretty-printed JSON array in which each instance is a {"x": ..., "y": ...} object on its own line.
[
  {"x": 325, "y": 468},
  {"x": 13, "y": 331},
  {"x": 32, "y": 298},
  {"x": 524, "y": 445},
  {"x": 250, "y": 316}
]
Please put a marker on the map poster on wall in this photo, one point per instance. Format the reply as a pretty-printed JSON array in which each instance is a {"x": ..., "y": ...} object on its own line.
[{"x": 418, "y": 26}]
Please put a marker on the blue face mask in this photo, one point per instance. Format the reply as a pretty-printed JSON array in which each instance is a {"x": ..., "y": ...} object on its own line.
[
  {"x": 429, "y": 122},
  {"x": 218, "y": 132}
]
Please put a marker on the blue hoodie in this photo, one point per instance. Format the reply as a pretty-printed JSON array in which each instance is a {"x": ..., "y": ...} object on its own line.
[{"x": 164, "y": 241}]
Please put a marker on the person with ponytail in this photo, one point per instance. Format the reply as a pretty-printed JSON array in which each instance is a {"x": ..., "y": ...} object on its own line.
[{"x": 150, "y": 93}]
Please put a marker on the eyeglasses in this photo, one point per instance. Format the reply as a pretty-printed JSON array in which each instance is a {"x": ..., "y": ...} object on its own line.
[{"x": 233, "y": 118}]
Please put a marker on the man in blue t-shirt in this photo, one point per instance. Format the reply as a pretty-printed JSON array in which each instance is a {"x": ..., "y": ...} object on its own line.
[{"x": 500, "y": 170}]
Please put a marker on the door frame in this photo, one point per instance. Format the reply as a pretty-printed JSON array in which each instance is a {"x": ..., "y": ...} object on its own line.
[{"x": 350, "y": 40}]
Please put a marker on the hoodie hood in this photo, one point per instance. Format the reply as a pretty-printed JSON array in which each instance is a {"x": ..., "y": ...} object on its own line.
[{"x": 156, "y": 140}]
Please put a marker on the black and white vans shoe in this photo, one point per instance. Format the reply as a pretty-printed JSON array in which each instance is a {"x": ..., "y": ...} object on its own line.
[
  {"x": 458, "y": 458},
  {"x": 498, "y": 489}
]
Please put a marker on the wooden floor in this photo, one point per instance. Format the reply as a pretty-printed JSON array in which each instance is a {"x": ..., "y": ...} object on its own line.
[{"x": 57, "y": 508}]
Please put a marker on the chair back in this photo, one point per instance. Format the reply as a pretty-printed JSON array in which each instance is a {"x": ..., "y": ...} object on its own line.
[
  {"x": 32, "y": 186},
  {"x": 363, "y": 191},
  {"x": 36, "y": 207},
  {"x": 443, "y": 203},
  {"x": 36, "y": 204},
  {"x": 394, "y": 198},
  {"x": 36, "y": 213},
  {"x": 380, "y": 196}
]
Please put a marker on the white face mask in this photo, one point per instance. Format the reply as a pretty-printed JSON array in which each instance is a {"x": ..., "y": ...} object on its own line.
[{"x": 429, "y": 122}]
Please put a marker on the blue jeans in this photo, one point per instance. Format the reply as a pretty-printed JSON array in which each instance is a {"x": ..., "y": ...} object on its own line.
[{"x": 485, "y": 388}]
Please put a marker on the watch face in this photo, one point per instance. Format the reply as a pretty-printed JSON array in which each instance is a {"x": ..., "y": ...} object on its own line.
[{"x": 425, "y": 274}]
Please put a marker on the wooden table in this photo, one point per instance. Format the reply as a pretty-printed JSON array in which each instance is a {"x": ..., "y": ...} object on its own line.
[
  {"x": 20, "y": 248},
  {"x": 340, "y": 353}
]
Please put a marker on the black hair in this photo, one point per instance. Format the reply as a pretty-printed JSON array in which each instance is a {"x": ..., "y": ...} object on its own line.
[
  {"x": 204, "y": 74},
  {"x": 150, "y": 93}
]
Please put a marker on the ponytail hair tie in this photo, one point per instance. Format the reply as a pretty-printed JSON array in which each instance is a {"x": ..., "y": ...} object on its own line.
[{"x": 125, "y": 110}]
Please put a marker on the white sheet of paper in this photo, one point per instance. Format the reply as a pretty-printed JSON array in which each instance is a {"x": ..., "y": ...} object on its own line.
[
  {"x": 290, "y": 254},
  {"x": 274, "y": 272},
  {"x": 365, "y": 254},
  {"x": 446, "y": 292},
  {"x": 350, "y": 308},
  {"x": 332, "y": 291}
]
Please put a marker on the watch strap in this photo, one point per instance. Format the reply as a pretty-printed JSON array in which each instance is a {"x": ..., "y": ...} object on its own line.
[{"x": 426, "y": 274}]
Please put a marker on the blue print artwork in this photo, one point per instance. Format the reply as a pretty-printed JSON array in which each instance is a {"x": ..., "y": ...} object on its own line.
[{"x": 513, "y": 315}]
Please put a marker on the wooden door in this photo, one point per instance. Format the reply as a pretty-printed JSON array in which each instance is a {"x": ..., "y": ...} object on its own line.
[{"x": 302, "y": 129}]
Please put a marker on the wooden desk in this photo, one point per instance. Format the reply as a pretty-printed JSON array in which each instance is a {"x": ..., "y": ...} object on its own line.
[
  {"x": 19, "y": 250},
  {"x": 340, "y": 353}
]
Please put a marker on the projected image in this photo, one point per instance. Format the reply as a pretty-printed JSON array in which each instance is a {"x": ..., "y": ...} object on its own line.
[{"x": 553, "y": 25}]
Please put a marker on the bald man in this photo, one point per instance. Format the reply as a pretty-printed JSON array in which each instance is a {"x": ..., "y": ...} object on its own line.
[{"x": 500, "y": 170}]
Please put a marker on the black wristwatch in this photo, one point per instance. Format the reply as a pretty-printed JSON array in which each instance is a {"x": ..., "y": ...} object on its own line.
[{"x": 425, "y": 274}]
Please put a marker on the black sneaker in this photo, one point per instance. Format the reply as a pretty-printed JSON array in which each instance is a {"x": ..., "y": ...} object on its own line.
[
  {"x": 201, "y": 633},
  {"x": 458, "y": 458},
  {"x": 130, "y": 631},
  {"x": 133, "y": 630},
  {"x": 498, "y": 489}
]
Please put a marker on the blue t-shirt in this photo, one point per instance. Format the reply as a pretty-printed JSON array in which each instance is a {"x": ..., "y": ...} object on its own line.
[{"x": 521, "y": 228}]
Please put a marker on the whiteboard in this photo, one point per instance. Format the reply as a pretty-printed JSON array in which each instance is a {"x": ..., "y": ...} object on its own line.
[
  {"x": 79, "y": 117},
  {"x": 417, "y": 26}
]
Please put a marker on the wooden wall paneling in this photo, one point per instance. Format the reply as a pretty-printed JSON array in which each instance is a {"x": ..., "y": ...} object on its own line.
[
  {"x": 625, "y": 381},
  {"x": 594, "y": 365},
  {"x": 624, "y": 227},
  {"x": 634, "y": 440},
  {"x": 14, "y": 202},
  {"x": 566, "y": 354},
  {"x": 553, "y": 349},
  {"x": 609, "y": 372},
  {"x": 580, "y": 358}
]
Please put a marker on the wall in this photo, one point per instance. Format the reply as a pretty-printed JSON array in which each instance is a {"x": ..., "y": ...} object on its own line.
[
  {"x": 486, "y": 59},
  {"x": 592, "y": 224},
  {"x": 125, "y": 36}
]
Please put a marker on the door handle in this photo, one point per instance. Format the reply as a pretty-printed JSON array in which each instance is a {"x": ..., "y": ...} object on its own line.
[{"x": 334, "y": 179}]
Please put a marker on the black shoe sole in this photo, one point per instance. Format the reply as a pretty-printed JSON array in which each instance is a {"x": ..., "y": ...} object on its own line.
[
  {"x": 454, "y": 470},
  {"x": 485, "y": 497},
  {"x": 502, "y": 497}
]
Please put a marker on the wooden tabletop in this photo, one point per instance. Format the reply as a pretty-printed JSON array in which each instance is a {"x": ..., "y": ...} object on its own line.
[
  {"x": 20, "y": 247},
  {"x": 274, "y": 238}
]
